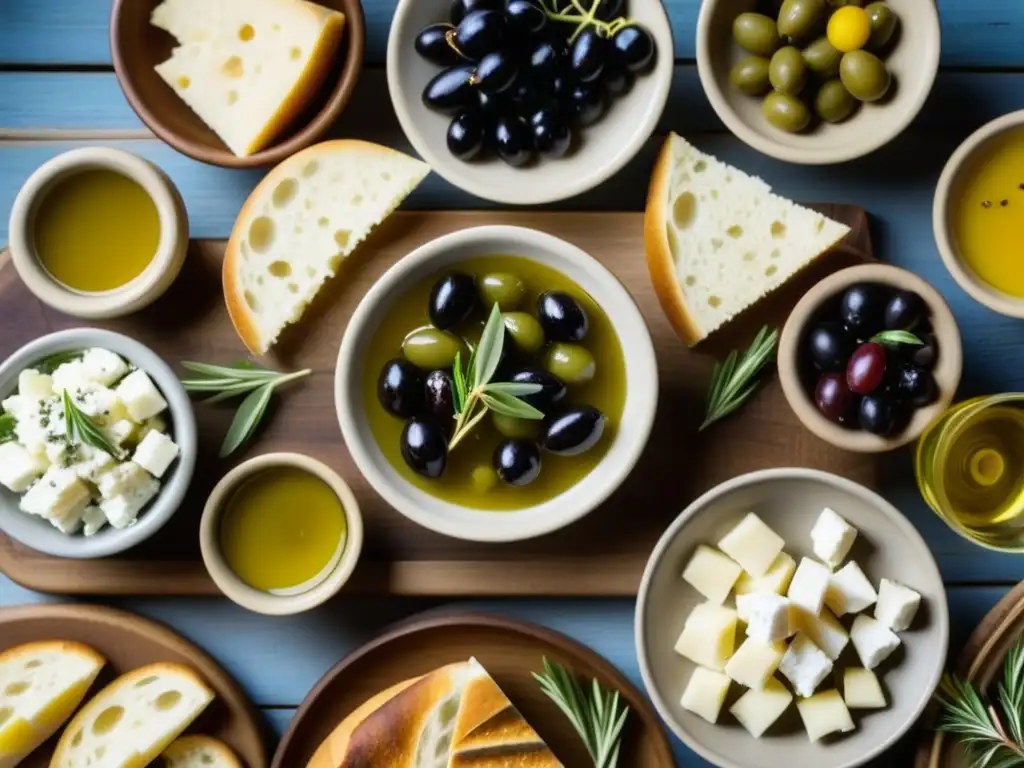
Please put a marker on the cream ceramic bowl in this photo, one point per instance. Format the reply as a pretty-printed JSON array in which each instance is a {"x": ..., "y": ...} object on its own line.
[
  {"x": 321, "y": 587},
  {"x": 464, "y": 522},
  {"x": 959, "y": 165},
  {"x": 789, "y": 501},
  {"x": 913, "y": 62},
  {"x": 128, "y": 298},
  {"x": 605, "y": 147}
]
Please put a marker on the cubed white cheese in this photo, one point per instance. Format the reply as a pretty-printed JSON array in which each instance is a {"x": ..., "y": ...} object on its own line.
[
  {"x": 58, "y": 494},
  {"x": 705, "y": 693},
  {"x": 33, "y": 384},
  {"x": 98, "y": 403},
  {"x": 90, "y": 463},
  {"x": 861, "y": 689},
  {"x": 849, "y": 590},
  {"x": 19, "y": 406},
  {"x": 156, "y": 452},
  {"x": 70, "y": 375},
  {"x": 824, "y": 714},
  {"x": 94, "y": 520},
  {"x": 121, "y": 431},
  {"x": 19, "y": 468},
  {"x": 122, "y": 510},
  {"x": 897, "y": 605},
  {"x": 753, "y": 545},
  {"x": 754, "y": 662},
  {"x": 69, "y": 523},
  {"x": 809, "y": 585},
  {"x": 121, "y": 479},
  {"x": 709, "y": 636},
  {"x": 874, "y": 641},
  {"x": 140, "y": 395},
  {"x": 805, "y": 665},
  {"x": 832, "y": 537},
  {"x": 776, "y": 580},
  {"x": 757, "y": 710},
  {"x": 768, "y": 616},
  {"x": 103, "y": 366},
  {"x": 709, "y": 571},
  {"x": 826, "y": 632},
  {"x": 155, "y": 424}
]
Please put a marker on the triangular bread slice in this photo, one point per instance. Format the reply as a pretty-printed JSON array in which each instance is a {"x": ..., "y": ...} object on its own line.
[
  {"x": 41, "y": 685},
  {"x": 198, "y": 751},
  {"x": 131, "y": 721},
  {"x": 300, "y": 223},
  {"x": 718, "y": 239}
]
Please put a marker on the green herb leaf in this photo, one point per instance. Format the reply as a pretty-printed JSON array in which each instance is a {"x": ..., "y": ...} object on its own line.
[
  {"x": 459, "y": 380},
  {"x": 895, "y": 338},
  {"x": 50, "y": 364},
  {"x": 735, "y": 380},
  {"x": 7, "y": 427},
  {"x": 81, "y": 427},
  {"x": 247, "y": 418},
  {"x": 487, "y": 355},
  {"x": 515, "y": 388},
  {"x": 507, "y": 405},
  {"x": 243, "y": 370}
]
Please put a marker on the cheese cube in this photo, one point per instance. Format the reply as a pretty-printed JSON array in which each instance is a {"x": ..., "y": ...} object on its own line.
[
  {"x": 709, "y": 636},
  {"x": 754, "y": 663},
  {"x": 103, "y": 366},
  {"x": 155, "y": 424},
  {"x": 824, "y": 714},
  {"x": 20, "y": 406},
  {"x": 805, "y": 665},
  {"x": 121, "y": 431},
  {"x": 809, "y": 585},
  {"x": 753, "y": 545},
  {"x": 776, "y": 580},
  {"x": 70, "y": 375},
  {"x": 874, "y": 641},
  {"x": 832, "y": 537},
  {"x": 757, "y": 710},
  {"x": 93, "y": 520},
  {"x": 861, "y": 689},
  {"x": 711, "y": 573},
  {"x": 19, "y": 468},
  {"x": 121, "y": 479},
  {"x": 69, "y": 523},
  {"x": 849, "y": 590},
  {"x": 826, "y": 632},
  {"x": 35, "y": 385},
  {"x": 897, "y": 605},
  {"x": 91, "y": 463},
  {"x": 140, "y": 396},
  {"x": 99, "y": 404},
  {"x": 58, "y": 494},
  {"x": 705, "y": 693},
  {"x": 123, "y": 508},
  {"x": 155, "y": 453},
  {"x": 768, "y": 616}
]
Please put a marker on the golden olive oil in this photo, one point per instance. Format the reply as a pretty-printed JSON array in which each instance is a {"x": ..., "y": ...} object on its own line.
[{"x": 96, "y": 230}]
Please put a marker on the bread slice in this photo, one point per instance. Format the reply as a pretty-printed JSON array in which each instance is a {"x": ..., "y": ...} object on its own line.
[
  {"x": 197, "y": 751},
  {"x": 300, "y": 223},
  {"x": 131, "y": 721},
  {"x": 41, "y": 685},
  {"x": 718, "y": 240}
]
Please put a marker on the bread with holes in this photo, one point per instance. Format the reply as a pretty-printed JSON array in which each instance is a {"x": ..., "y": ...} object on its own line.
[
  {"x": 718, "y": 239},
  {"x": 301, "y": 223},
  {"x": 134, "y": 719},
  {"x": 198, "y": 751}
]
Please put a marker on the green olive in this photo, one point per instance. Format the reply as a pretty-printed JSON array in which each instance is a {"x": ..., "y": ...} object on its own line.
[
  {"x": 483, "y": 478},
  {"x": 785, "y": 112},
  {"x": 501, "y": 288},
  {"x": 756, "y": 33},
  {"x": 525, "y": 331},
  {"x": 787, "y": 71},
  {"x": 510, "y": 426},
  {"x": 750, "y": 76},
  {"x": 571, "y": 363},
  {"x": 833, "y": 103},
  {"x": 841, "y": 3},
  {"x": 430, "y": 349},
  {"x": 822, "y": 58},
  {"x": 801, "y": 19},
  {"x": 883, "y": 24},
  {"x": 864, "y": 75}
]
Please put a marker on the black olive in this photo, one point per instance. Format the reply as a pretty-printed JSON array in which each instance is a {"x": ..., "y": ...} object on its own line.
[
  {"x": 560, "y": 87},
  {"x": 879, "y": 413},
  {"x": 862, "y": 309},
  {"x": 400, "y": 388},
  {"x": 466, "y": 135},
  {"x": 517, "y": 461},
  {"x": 904, "y": 311},
  {"x": 917, "y": 385},
  {"x": 496, "y": 72},
  {"x": 439, "y": 399},
  {"x": 829, "y": 346},
  {"x": 546, "y": 59},
  {"x": 633, "y": 47},
  {"x": 452, "y": 299},
  {"x": 588, "y": 55},
  {"x": 462, "y": 7},
  {"x": 552, "y": 389},
  {"x": 573, "y": 431},
  {"x": 514, "y": 140},
  {"x": 589, "y": 102},
  {"x": 432, "y": 44},
  {"x": 551, "y": 133},
  {"x": 609, "y": 10},
  {"x": 525, "y": 18},
  {"x": 451, "y": 90},
  {"x": 618, "y": 79},
  {"x": 561, "y": 317},
  {"x": 479, "y": 33},
  {"x": 424, "y": 447},
  {"x": 926, "y": 354},
  {"x": 526, "y": 95},
  {"x": 491, "y": 105}
]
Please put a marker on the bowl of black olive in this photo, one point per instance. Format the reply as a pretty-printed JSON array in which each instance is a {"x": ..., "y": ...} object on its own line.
[
  {"x": 869, "y": 357},
  {"x": 529, "y": 101},
  {"x": 496, "y": 384}
]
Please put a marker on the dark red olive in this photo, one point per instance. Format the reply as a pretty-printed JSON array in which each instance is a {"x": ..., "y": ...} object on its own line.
[
  {"x": 917, "y": 385},
  {"x": 862, "y": 309},
  {"x": 866, "y": 368},
  {"x": 829, "y": 346},
  {"x": 424, "y": 447},
  {"x": 879, "y": 414},
  {"x": 514, "y": 140},
  {"x": 573, "y": 431},
  {"x": 562, "y": 317},
  {"x": 588, "y": 55},
  {"x": 517, "y": 461},
  {"x": 452, "y": 299},
  {"x": 496, "y": 72},
  {"x": 451, "y": 90},
  {"x": 479, "y": 33},
  {"x": 905, "y": 311},
  {"x": 633, "y": 47},
  {"x": 439, "y": 399},
  {"x": 833, "y": 397},
  {"x": 551, "y": 387},
  {"x": 400, "y": 388},
  {"x": 462, "y": 7},
  {"x": 432, "y": 44}
]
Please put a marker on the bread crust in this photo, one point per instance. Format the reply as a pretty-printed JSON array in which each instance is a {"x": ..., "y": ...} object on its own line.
[
  {"x": 52, "y": 646},
  {"x": 181, "y": 746}
]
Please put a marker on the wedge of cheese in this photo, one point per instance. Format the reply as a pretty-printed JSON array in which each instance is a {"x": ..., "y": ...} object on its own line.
[
  {"x": 41, "y": 684},
  {"x": 248, "y": 67},
  {"x": 718, "y": 240},
  {"x": 300, "y": 223},
  {"x": 196, "y": 751}
]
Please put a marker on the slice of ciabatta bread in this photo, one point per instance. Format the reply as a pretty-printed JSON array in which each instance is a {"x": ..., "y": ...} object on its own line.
[
  {"x": 718, "y": 240},
  {"x": 41, "y": 685},
  {"x": 197, "y": 751},
  {"x": 131, "y": 721},
  {"x": 300, "y": 223}
]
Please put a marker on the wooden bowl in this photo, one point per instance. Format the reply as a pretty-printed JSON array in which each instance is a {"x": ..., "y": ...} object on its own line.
[
  {"x": 137, "y": 46},
  {"x": 791, "y": 366}
]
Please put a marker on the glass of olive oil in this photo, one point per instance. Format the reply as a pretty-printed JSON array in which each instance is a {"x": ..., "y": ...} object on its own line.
[{"x": 970, "y": 469}]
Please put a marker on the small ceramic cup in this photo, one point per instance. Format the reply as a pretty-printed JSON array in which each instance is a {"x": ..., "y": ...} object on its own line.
[
  {"x": 318, "y": 590},
  {"x": 155, "y": 279}
]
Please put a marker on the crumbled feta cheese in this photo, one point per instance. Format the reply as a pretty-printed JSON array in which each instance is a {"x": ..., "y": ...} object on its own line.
[
  {"x": 824, "y": 714},
  {"x": 140, "y": 396},
  {"x": 90, "y": 463},
  {"x": 754, "y": 663},
  {"x": 156, "y": 452},
  {"x": 897, "y": 605},
  {"x": 757, "y": 710},
  {"x": 19, "y": 468},
  {"x": 33, "y": 384},
  {"x": 874, "y": 641},
  {"x": 832, "y": 537},
  {"x": 103, "y": 366},
  {"x": 826, "y": 632},
  {"x": 805, "y": 665},
  {"x": 753, "y": 545},
  {"x": 709, "y": 571},
  {"x": 70, "y": 375},
  {"x": 776, "y": 580},
  {"x": 849, "y": 590},
  {"x": 768, "y": 616},
  {"x": 58, "y": 494},
  {"x": 809, "y": 585},
  {"x": 705, "y": 693},
  {"x": 94, "y": 520},
  {"x": 122, "y": 510}
]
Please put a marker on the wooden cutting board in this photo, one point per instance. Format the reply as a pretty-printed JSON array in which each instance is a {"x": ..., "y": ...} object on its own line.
[{"x": 604, "y": 554}]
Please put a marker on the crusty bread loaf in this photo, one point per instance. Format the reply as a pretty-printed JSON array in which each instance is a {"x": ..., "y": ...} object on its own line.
[{"x": 198, "y": 751}]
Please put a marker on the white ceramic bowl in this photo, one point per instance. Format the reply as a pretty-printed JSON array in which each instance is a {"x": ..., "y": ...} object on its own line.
[
  {"x": 38, "y": 534},
  {"x": 634, "y": 426},
  {"x": 605, "y": 147},
  {"x": 789, "y": 501}
]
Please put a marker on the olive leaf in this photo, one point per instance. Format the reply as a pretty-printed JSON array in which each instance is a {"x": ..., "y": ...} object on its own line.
[
  {"x": 515, "y": 388},
  {"x": 488, "y": 351},
  {"x": 247, "y": 418},
  {"x": 80, "y": 427},
  {"x": 894, "y": 338},
  {"x": 50, "y": 364},
  {"x": 7, "y": 427},
  {"x": 508, "y": 405},
  {"x": 459, "y": 381}
]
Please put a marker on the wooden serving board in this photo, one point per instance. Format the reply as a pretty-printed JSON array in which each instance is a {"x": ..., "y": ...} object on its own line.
[{"x": 603, "y": 554}]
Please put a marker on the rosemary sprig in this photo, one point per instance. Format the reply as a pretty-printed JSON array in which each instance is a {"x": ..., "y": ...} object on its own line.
[
  {"x": 7, "y": 426},
  {"x": 223, "y": 381},
  {"x": 895, "y": 338},
  {"x": 598, "y": 715},
  {"x": 735, "y": 380},
  {"x": 79, "y": 426}
]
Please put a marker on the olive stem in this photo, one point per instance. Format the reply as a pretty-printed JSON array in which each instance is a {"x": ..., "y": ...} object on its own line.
[{"x": 462, "y": 426}]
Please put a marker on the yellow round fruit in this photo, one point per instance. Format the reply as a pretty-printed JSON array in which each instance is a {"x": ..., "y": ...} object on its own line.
[{"x": 849, "y": 28}]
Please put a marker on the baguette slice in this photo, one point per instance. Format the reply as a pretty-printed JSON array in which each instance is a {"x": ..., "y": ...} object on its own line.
[
  {"x": 196, "y": 751},
  {"x": 718, "y": 240},
  {"x": 41, "y": 684},
  {"x": 131, "y": 721},
  {"x": 300, "y": 223}
]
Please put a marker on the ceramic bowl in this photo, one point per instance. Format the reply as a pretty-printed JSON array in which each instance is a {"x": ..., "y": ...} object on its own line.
[
  {"x": 789, "y": 501},
  {"x": 136, "y": 46},
  {"x": 913, "y": 61},
  {"x": 37, "y": 533},
  {"x": 322, "y": 587},
  {"x": 604, "y": 149},
  {"x": 958, "y": 168},
  {"x": 464, "y": 522},
  {"x": 791, "y": 363},
  {"x": 155, "y": 279}
]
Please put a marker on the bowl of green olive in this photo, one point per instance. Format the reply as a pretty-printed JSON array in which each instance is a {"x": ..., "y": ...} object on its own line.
[{"x": 817, "y": 81}]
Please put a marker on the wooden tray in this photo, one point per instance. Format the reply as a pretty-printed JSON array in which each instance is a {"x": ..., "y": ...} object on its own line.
[
  {"x": 510, "y": 650},
  {"x": 601, "y": 555},
  {"x": 128, "y": 642}
]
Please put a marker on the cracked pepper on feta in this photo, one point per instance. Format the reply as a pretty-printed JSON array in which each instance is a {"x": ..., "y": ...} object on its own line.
[{"x": 71, "y": 483}]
